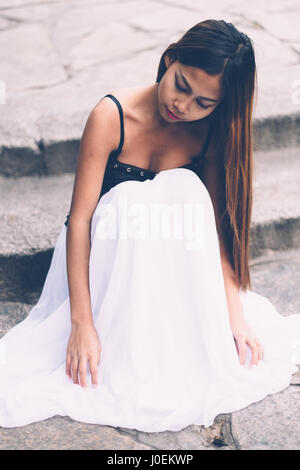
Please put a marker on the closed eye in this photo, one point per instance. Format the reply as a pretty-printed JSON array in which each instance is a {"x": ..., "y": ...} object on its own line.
[{"x": 185, "y": 91}]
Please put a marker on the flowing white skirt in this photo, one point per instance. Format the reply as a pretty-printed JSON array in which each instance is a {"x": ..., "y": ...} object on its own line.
[{"x": 168, "y": 355}]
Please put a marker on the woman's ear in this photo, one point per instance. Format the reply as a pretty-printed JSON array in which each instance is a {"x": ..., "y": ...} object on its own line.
[{"x": 169, "y": 60}]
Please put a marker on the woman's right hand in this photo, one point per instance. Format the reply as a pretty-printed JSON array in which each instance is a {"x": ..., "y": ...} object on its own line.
[{"x": 83, "y": 348}]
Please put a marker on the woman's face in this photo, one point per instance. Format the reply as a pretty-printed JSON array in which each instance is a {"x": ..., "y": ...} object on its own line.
[{"x": 188, "y": 92}]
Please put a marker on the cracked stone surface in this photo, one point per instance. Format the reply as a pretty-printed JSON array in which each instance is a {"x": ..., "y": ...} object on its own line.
[
  {"x": 282, "y": 410},
  {"x": 272, "y": 423}
]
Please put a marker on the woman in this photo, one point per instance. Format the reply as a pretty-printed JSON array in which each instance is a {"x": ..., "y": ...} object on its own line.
[{"x": 146, "y": 329}]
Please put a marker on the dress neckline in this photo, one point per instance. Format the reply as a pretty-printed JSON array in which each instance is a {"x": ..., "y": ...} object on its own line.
[{"x": 144, "y": 170}]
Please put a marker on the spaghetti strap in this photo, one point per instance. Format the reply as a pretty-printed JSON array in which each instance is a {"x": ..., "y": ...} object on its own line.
[{"x": 119, "y": 149}]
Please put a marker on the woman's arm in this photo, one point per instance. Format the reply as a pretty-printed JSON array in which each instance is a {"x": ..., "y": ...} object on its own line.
[
  {"x": 99, "y": 137},
  {"x": 211, "y": 175},
  {"x": 234, "y": 303}
]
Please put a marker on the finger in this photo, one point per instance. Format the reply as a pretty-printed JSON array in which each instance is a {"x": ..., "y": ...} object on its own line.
[
  {"x": 241, "y": 342},
  {"x": 82, "y": 371},
  {"x": 254, "y": 351},
  {"x": 260, "y": 349},
  {"x": 94, "y": 371},
  {"x": 261, "y": 352},
  {"x": 74, "y": 367},
  {"x": 68, "y": 365}
]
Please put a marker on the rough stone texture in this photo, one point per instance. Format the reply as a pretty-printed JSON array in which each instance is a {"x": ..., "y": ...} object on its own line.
[
  {"x": 63, "y": 433},
  {"x": 33, "y": 210},
  {"x": 272, "y": 423},
  {"x": 30, "y": 69},
  {"x": 276, "y": 184},
  {"x": 193, "y": 437},
  {"x": 12, "y": 313},
  {"x": 277, "y": 276}
]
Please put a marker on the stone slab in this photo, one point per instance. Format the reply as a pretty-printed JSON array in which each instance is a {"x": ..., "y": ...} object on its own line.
[{"x": 271, "y": 424}]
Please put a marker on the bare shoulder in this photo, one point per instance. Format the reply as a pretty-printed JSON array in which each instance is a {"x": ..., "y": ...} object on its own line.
[
  {"x": 125, "y": 96},
  {"x": 106, "y": 105},
  {"x": 105, "y": 115}
]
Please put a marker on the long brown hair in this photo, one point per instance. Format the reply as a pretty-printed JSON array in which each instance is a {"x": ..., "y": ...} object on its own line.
[{"x": 216, "y": 46}]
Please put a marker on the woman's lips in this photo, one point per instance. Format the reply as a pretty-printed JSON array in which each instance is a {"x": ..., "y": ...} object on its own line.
[{"x": 171, "y": 115}]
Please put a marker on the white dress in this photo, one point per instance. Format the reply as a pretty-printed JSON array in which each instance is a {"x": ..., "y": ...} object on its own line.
[{"x": 168, "y": 355}]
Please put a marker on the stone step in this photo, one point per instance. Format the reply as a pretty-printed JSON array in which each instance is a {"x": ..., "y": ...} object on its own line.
[{"x": 34, "y": 208}]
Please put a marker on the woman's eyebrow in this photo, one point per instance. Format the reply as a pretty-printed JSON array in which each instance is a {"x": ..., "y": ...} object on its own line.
[{"x": 190, "y": 89}]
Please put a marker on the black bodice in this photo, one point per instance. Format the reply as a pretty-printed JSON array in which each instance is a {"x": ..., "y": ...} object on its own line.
[{"x": 116, "y": 172}]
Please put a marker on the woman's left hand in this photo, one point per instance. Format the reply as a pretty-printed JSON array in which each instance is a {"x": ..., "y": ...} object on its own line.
[{"x": 243, "y": 335}]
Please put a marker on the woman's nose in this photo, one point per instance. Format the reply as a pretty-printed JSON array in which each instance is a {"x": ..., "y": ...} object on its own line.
[{"x": 182, "y": 106}]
